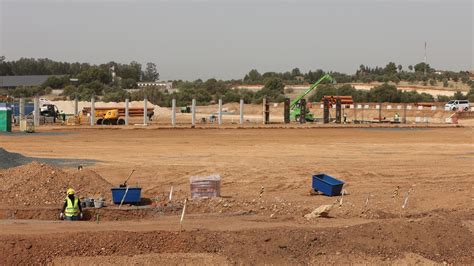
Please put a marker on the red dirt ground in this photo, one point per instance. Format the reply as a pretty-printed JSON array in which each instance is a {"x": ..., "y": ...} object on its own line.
[{"x": 380, "y": 166}]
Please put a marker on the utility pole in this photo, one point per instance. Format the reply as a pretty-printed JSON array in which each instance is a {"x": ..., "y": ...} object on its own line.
[{"x": 426, "y": 61}]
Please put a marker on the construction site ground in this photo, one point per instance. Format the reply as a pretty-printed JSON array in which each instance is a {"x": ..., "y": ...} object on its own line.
[{"x": 408, "y": 196}]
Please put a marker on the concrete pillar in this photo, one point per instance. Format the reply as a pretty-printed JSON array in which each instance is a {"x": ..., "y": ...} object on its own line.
[
  {"x": 264, "y": 103},
  {"x": 241, "y": 111},
  {"x": 76, "y": 107},
  {"x": 326, "y": 111},
  {"x": 286, "y": 111},
  {"x": 21, "y": 111},
  {"x": 126, "y": 111},
  {"x": 173, "y": 112},
  {"x": 36, "y": 117},
  {"x": 193, "y": 110},
  {"x": 303, "y": 111},
  {"x": 355, "y": 113},
  {"x": 380, "y": 112},
  {"x": 220, "y": 112},
  {"x": 405, "y": 113},
  {"x": 145, "y": 111},
  {"x": 338, "y": 111},
  {"x": 362, "y": 116},
  {"x": 92, "y": 117}
]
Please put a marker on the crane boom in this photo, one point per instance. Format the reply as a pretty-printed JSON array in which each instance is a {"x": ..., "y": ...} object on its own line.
[{"x": 310, "y": 89}]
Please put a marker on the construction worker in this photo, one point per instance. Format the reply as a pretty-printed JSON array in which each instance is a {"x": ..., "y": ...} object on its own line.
[
  {"x": 63, "y": 116},
  {"x": 72, "y": 210},
  {"x": 396, "y": 118}
]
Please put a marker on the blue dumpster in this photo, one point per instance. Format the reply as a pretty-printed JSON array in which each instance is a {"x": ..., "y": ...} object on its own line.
[
  {"x": 328, "y": 185},
  {"x": 133, "y": 195}
]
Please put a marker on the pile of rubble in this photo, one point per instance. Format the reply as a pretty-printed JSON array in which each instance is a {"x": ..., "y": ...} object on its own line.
[{"x": 38, "y": 184}]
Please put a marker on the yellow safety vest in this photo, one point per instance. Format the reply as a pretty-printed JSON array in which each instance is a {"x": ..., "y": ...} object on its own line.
[{"x": 72, "y": 209}]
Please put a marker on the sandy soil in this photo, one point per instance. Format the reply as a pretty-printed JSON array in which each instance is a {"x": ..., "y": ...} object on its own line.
[{"x": 426, "y": 170}]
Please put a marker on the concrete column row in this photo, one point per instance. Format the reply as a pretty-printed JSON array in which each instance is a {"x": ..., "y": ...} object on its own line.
[{"x": 127, "y": 108}]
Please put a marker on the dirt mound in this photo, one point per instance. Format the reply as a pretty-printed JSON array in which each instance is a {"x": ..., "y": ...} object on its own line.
[{"x": 38, "y": 184}]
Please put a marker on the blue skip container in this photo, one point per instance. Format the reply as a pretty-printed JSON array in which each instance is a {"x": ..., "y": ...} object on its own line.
[
  {"x": 133, "y": 195},
  {"x": 328, "y": 185}
]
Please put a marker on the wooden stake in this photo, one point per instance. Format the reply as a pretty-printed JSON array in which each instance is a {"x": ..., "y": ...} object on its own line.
[
  {"x": 182, "y": 214},
  {"x": 171, "y": 194},
  {"x": 405, "y": 201},
  {"x": 342, "y": 198},
  {"x": 123, "y": 198}
]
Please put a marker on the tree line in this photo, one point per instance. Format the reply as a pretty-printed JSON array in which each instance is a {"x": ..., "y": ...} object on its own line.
[{"x": 82, "y": 80}]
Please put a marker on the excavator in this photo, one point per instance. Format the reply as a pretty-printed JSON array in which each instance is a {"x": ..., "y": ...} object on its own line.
[{"x": 295, "y": 104}]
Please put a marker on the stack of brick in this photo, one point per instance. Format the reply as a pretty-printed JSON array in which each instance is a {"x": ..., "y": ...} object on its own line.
[{"x": 205, "y": 186}]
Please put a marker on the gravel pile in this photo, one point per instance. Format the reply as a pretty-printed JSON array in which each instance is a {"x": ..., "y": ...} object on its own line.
[{"x": 11, "y": 159}]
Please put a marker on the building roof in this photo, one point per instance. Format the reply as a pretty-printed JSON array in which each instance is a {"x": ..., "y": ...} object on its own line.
[{"x": 15, "y": 81}]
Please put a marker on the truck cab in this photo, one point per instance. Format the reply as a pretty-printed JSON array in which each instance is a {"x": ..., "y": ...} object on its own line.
[{"x": 49, "y": 110}]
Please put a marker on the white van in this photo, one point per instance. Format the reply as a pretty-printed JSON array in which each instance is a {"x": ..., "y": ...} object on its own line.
[{"x": 455, "y": 105}]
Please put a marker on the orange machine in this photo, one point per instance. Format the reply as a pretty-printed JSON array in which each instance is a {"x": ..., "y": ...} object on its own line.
[{"x": 345, "y": 100}]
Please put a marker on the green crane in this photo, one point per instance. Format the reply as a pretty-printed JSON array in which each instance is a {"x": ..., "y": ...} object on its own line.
[{"x": 295, "y": 104}]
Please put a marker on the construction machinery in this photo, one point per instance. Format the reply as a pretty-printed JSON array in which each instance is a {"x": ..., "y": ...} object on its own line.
[
  {"x": 109, "y": 117},
  {"x": 295, "y": 106},
  {"x": 186, "y": 109},
  {"x": 6, "y": 98},
  {"x": 332, "y": 100},
  {"x": 116, "y": 116}
]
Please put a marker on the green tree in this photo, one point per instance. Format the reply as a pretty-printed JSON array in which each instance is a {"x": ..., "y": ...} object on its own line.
[
  {"x": 421, "y": 67},
  {"x": 231, "y": 96},
  {"x": 346, "y": 90},
  {"x": 295, "y": 72},
  {"x": 321, "y": 91},
  {"x": 128, "y": 84},
  {"x": 70, "y": 91},
  {"x": 94, "y": 74},
  {"x": 443, "y": 98},
  {"x": 312, "y": 77},
  {"x": 459, "y": 96},
  {"x": 470, "y": 95},
  {"x": 390, "y": 69},
  {"x": 410, "y": 67},
  {"x": 56, "y": 82},
  {"x": 384, "y": 93},
  {"x": 253, "y": 76},
  {"x": 274, "y": 85},
  {"x": 445, "y": 82},
  {"x": 130, "y": 71},
  {"x": 273, "y": 89},
  {"x": 400, "y": 67},
  {"x": 151, "y": 73}
]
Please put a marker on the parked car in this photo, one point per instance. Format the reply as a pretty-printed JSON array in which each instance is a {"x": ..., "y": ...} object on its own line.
[{"x": 456, "y": 105}]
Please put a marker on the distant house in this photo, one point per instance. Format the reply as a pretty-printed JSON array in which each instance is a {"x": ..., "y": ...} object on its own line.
[
  {"x": 11, "y": 82},
  {"x": 165, "y": 86},
  {"x": 299, "y": 78}
]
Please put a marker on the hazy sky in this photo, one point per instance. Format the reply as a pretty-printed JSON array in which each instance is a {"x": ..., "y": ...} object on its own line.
[{"x": 226, "y": 38}]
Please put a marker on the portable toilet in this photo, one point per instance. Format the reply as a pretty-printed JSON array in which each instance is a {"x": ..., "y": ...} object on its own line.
[{"x": 5, "y": 117}]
